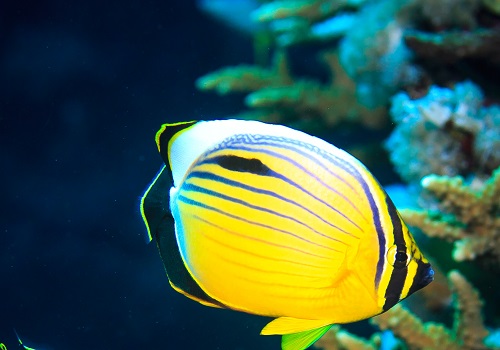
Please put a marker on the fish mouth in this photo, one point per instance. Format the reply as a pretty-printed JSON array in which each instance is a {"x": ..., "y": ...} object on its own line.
[
  {"x": 424, "y": 276},
  {"x": 428, "y": 276}
]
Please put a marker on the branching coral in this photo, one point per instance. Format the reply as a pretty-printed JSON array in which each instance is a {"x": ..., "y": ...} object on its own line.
[
  {"x": 451, "y": 46},
  {"x": 296, "y": 21},
  {"x": 453, "y": 35},
  {"x": 469, "y": 217},
  {"x": 374, "y": 63},
  {"x": 468, "y": 330},
  {"x": 278, "y": 97},
  {"x": 337, "y": 339},
  {"x": 492, "y": 5},
  {"x": 444, "y": 14},
  {"x": 448, "y": 132}
]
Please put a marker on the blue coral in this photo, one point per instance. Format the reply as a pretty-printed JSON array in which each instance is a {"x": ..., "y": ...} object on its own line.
[
  {"x": 374, "y": 54},
  {"x": 446, "y": 132}
]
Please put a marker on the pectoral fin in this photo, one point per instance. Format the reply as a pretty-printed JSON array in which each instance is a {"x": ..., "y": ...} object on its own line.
[{"x": 302, "y": 340}]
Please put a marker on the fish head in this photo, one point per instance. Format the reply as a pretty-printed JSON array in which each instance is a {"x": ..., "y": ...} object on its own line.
[{"x": 407, "y": 267}]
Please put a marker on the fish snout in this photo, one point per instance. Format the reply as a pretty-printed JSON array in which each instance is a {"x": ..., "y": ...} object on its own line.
[{"x": 424, "y": 276}]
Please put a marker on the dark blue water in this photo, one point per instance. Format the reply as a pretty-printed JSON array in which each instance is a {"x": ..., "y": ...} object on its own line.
[{"x": 84, "y": 86}]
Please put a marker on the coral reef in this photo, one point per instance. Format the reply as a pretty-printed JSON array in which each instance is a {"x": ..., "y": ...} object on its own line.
[
  {"x": 338, "y": 339},
  {"x": 468, "y": 331},
  {"x": 444, "y": 14},
  {"x": 297, "y": 21},
  {"x": 419, "y": 57},
  {"x": 452, "y": 46},
  {"x": 467, "y": 216},
  {"x": 374, "y": 55},
  {"x": 277, "y": 97},
  {"x": 366, "y": 68},
  {"x": 446, "y": 132},
  {"x": 492, "y": 5}
]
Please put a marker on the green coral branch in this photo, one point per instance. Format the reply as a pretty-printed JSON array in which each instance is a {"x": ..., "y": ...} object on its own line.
[
  {"x": 338, "y": 339},
  {"x": 278, "y": 97},
  {"x": 468, "y": 331},
  {"x": 452, "y": 46},
  {"x": 470, "y": 217},
  {"x": 468, "y": 322},
  {"x": 312, "y": 10}
]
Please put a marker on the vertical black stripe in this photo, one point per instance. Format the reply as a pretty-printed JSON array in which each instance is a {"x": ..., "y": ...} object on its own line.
[
  {"x": 395, "y": 287},
  {"x": 341, "y": 163},
  {"x": 400, "y": 271},
  {"x": 396, "y": 223},
  {"x": 352, "y": 171}
]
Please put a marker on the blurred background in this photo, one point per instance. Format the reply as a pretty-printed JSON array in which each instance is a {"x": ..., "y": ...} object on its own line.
[{"x": 84, "y": 87}]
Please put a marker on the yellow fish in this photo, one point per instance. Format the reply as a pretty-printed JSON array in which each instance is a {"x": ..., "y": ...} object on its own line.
[{"x": 271, "y": 221}]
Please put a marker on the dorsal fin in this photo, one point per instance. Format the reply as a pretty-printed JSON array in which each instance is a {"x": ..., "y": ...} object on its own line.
[
  {"x": 155, "y": 202},
  {"x": 167, "y": 135},
  {"x": 160, "y": 225}
]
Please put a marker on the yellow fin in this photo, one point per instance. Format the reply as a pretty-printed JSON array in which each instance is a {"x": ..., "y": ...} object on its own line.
[
  {"x": 302, "y": 340},
  {"x": 289, "y": 325}
]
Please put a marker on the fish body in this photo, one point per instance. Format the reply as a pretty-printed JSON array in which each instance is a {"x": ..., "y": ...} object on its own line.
[{"x": 271, "y": 221}]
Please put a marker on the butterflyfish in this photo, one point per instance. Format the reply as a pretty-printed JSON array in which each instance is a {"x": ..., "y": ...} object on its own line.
[{"x": 271, "y": 221}]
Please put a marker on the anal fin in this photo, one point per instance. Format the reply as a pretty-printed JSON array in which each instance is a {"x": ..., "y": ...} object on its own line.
[{"x": 289, "y": 325}]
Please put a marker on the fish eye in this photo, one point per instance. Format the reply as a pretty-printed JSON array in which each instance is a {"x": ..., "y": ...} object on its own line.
[
  {"x": 398, "y": 257},
  {"x": 401, "y": 256}
]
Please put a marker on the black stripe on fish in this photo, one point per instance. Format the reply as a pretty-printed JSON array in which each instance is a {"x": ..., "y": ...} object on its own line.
[
  {"x": 398, "y": 276},
  {"x": 395, "y": 287},
  {"x": 279, "y": 176},
  {"x": 241, "y": 164},
  {"x": 423, "y": 276},
  {"x": 162, "y": 228},
  {"x": 337, "y": 161}
]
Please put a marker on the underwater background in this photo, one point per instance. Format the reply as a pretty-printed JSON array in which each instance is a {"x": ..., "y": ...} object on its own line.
[{"x": 410, "y": 87}]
